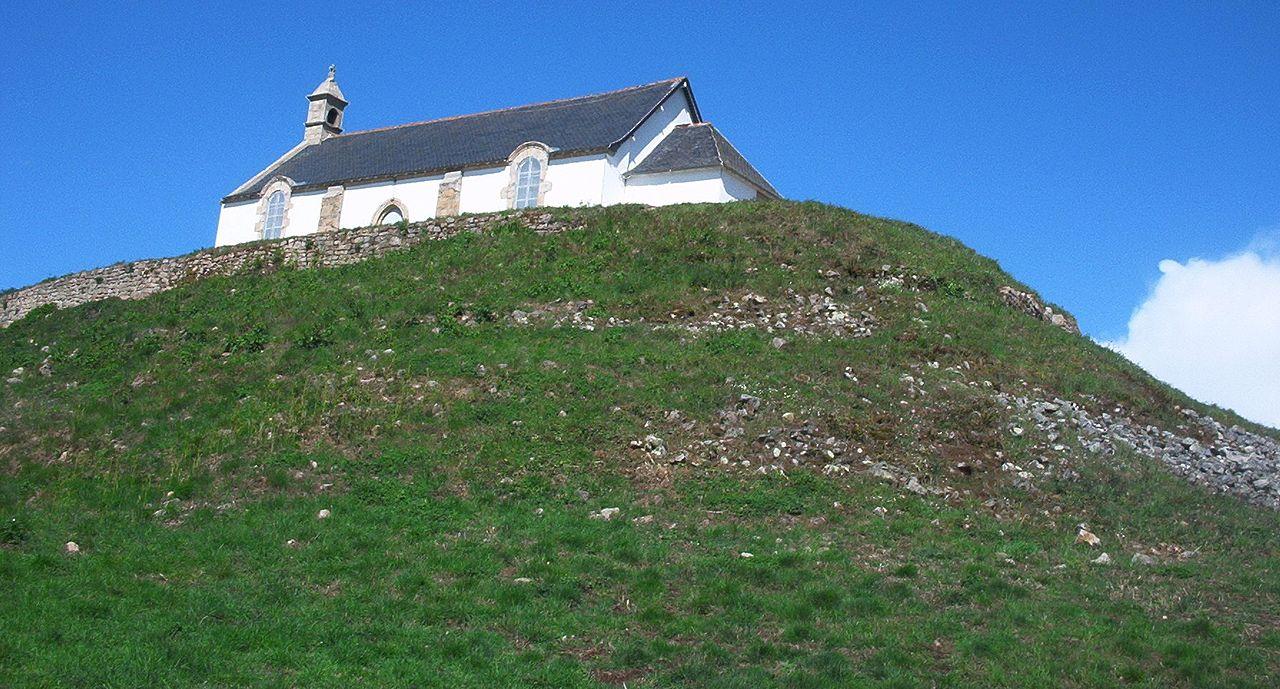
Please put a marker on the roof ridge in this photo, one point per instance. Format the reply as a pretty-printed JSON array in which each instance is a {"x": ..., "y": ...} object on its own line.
[
  {"x": 556, "y": 101},
  {"x": 716, "y": 144}
]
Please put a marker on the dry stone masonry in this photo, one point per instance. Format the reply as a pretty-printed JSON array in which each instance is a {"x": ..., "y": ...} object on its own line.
[{"x": 140, "y": 279}]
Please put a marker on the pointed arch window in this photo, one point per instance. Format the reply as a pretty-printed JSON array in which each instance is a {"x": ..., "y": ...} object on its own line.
[
  {"x": 273, "y": 224},
  {"x": 392, "y": 212},
  {"x": 528, "y": 180},
  {"x": 391, "y": 215}
]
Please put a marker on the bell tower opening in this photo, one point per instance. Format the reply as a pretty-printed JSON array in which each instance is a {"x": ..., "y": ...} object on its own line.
[{"x": 325, "y": 107}]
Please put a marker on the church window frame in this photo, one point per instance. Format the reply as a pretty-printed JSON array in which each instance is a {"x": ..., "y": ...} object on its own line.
[
  {"x": 527, "y": 170},
  {"x": 391, "y": 205},
  {"x": 274, "y": 205},
  {"x": 528, "y": 180}
]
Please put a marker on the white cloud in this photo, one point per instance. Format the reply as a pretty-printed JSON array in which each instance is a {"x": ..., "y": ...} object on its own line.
[{"x": 1212, "y": 329}]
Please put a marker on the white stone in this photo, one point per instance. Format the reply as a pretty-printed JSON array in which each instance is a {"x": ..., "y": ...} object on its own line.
[{"x": 606, "y": 514}]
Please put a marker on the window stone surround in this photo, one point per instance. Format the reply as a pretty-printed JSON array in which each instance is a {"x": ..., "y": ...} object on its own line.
[
  {"x": 283, "y": 184},
  {"x": 529, "y": 149},
  {"x": 393, "y": 201}
]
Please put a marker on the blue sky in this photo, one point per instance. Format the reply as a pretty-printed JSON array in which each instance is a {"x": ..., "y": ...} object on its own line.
[{"x": 1079, "y": 145}]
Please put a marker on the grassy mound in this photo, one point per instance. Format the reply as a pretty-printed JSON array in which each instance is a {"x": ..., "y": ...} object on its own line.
[{"x": 557, "y": 461}]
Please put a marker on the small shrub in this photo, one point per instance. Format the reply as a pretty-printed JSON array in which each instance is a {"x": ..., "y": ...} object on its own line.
[
  {"x": 13, "y": 532},
  {"x": 314, "y": 337},
  {"x": 252, "y": 340}
]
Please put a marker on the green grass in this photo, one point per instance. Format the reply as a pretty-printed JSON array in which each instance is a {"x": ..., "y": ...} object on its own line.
[{"x": 460, "y": 551}]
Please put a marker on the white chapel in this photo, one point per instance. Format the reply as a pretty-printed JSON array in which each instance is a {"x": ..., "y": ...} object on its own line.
[{"x": 644, "y": 144}]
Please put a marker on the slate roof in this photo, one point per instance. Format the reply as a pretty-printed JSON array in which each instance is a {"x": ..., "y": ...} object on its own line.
[
  {"x": 574, "y": 126},
  {"x": 700, "y": 145}
]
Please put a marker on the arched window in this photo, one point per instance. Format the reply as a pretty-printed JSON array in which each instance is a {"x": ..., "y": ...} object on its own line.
[
  {"x": 274, "y": 221},
  {"x": 391, "y": 215},
  {"x": 528, "y": 179}
]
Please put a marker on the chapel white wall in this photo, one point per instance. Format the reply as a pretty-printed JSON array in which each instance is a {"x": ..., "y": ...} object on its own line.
[
  {"x": 737, "y": 188},
  {"x": 681, "y": 186},
  {"x": 236, "y": 223},
  {"x": 304, "y": 213},
  {"x": 574, "y": 182},
  {"x": 674, "y": 111},
  {"x": 417, "y": 197}
]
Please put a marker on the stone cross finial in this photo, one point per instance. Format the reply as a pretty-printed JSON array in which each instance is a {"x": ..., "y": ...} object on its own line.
[{"x": 332, "y": 69}]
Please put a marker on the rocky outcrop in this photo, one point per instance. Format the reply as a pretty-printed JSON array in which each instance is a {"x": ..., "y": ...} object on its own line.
[
  {"x": 1030, "y": 305},
  {"x": 139, "y": 279}
]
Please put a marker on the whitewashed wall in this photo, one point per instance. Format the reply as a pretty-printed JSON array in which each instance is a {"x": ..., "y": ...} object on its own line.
[
  {"x": 481, "y": 190},
  {"x": 708, "y": 185},
  {"x": 673, "y": 111},
  {"x": 304, "y": 213},
  {"x": 237, "y": 222},
  {"x": 575, "y": 181},
  {"x": 417, "y": 197},
  {"x": 737, "y": 188}
]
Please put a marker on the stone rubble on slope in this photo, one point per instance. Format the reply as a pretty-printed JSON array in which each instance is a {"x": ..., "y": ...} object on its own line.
[
  {"x": 777, "y": 449},
  {"x": 1235, "y": 461},
  {"x": 813, "y": 314}
]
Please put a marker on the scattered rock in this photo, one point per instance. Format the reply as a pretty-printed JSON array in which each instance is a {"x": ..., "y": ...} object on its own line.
[
  {"x": 323, "y": 514},
  {"x": 778, "y": 343},
  {"x": 1088, "y": 538},
  {"x": 1142, "y": 559},
  {"x": 71, "y": 548},
  {"x": 606, "y": 514},
  {"x": 798, "y": 313},
  {"x": 1103, "y": 559},
  {"x": 1030, "y": 305},
  {"x": 745, "y": 554}
]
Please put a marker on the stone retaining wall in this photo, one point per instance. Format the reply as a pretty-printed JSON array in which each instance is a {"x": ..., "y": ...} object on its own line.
[{"x": 139, "y": 279}]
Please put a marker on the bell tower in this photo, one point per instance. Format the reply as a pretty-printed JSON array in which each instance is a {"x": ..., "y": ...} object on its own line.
[{"x": 324, "y": 111}]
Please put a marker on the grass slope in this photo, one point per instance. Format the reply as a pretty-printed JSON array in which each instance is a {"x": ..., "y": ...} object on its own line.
[{"x": 187, "y": 442}]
